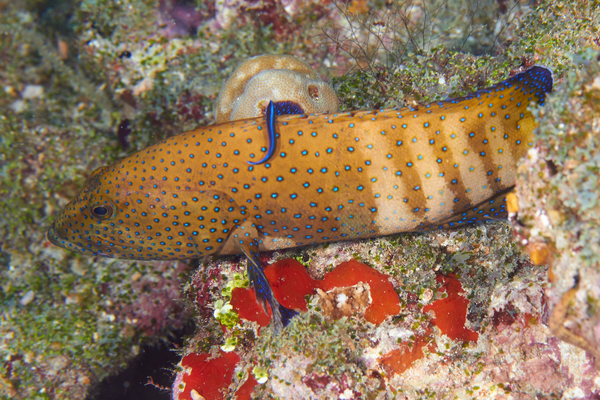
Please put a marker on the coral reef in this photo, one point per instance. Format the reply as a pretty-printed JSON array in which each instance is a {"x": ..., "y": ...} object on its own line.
[
  {"x": 351, "y": 288},
  {"x": 450, "y": 312},
  {"x": 558, "y": 203},
  {"x": 471, "y": 324},
  {"x": 83, "y": 80}
]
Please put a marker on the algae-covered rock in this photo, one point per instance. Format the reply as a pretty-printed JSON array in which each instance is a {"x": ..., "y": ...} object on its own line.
[{"x": 559, "y": 202}]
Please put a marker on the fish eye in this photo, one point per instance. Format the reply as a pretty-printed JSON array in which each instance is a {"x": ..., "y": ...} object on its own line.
[{"x": 102, "y": 212}]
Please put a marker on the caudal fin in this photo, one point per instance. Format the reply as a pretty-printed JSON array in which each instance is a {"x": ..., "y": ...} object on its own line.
[
  {"x": 531, "y": 85},
  {"x": 535, "y": 83}
]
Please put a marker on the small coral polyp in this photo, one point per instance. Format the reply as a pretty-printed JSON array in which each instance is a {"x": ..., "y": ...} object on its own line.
[{"x": 278, "y": 78}]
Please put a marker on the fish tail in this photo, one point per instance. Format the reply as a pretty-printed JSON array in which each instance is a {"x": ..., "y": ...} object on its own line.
[
  {"x": 546, "y": 74},
  {"x": 533, "y": 84},
  {"x": 530, "y": 85},
  {"x": 538, "y": 79}
]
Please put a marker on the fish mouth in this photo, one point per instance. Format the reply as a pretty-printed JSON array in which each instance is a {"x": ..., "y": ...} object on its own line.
[{"x": 53, "y": 237}]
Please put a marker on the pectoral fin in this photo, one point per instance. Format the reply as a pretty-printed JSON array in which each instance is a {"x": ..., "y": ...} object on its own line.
[{"x": 246, "y": 238}]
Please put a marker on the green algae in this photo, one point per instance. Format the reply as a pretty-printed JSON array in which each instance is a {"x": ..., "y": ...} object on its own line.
[
  {"x": 556, "y": 29},
  {"x": 331, "y": 350},
  {"x": 55, "y": 343},
  {"x": 421, "y": 72},
  {"x": 413, "y": 54}
]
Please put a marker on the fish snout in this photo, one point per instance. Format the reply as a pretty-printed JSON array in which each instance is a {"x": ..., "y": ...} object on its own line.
[{"x": 53, "y": 237}]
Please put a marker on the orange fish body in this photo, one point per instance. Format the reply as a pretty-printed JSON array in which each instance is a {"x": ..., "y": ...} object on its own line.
[{"x": 332, "y": 177}]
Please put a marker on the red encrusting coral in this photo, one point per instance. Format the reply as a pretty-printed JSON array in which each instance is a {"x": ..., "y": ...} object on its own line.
[
  {"x": 245, "y": 391},
  {"x": 384, "y": 299},
  {"x": 450, "y": 318},
  {"x": 243, "y": 300},
  {"x": 291, "y": 283},
  {"x": 451, "y": 311},
  {"x": 209, "y": 378},
  {"x": 399, "y": 360}
]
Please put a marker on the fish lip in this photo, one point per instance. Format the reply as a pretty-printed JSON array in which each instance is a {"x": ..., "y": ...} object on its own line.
[{"x": 53, "y": 237}]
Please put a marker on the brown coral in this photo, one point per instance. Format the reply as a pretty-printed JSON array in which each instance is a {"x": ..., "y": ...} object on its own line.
[
  {"x": 345, "y": 301},
  {"x": 277, "y": 78}
]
